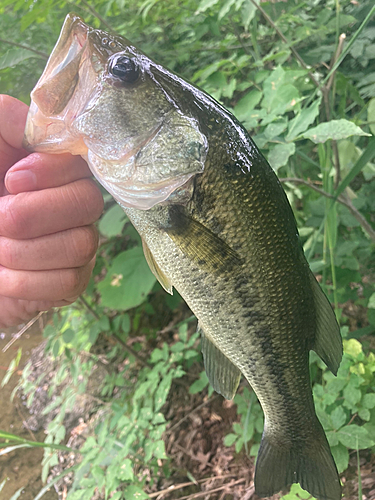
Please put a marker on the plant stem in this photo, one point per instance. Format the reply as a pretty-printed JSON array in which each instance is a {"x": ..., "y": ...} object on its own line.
[
  {"x": 38, "y": 52},
  {"x": 97, "y": 15},
  {"x": 284, "y": 39}
]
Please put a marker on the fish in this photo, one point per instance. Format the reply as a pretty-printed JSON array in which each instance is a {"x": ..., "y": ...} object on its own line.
[{"x": 215, "y": 224}]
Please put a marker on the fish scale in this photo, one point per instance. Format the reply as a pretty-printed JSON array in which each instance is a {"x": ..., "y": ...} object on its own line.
[{"x": 215, "y": 224}]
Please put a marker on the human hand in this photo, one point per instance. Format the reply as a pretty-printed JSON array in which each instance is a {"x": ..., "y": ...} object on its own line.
[{"x": 48, "y": 205}]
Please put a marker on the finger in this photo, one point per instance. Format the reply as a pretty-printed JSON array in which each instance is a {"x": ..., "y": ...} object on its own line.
[
  {"x": 12, "y": 124},
  {"x": 72, "y": 248},
  {"x": 38, "y": 213},
  {"x": 42, "y": 171},
  {"x": 55, "y": 285},
  {"x": 16, "y": 311}
]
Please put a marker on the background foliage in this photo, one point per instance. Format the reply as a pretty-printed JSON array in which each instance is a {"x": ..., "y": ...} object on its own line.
[{"x": 306, "y": 93}]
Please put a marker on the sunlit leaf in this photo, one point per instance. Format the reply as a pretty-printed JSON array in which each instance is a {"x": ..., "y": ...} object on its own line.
[{"x": 334, "y": 129}]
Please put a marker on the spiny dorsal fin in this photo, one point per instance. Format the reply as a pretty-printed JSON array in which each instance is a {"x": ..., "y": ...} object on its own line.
[
  {"x": 200, "y": 244},
  {"x": 328, "y": 342},
  {"x": 223, "y": 375},
  {"x": 158, "y": 273}
]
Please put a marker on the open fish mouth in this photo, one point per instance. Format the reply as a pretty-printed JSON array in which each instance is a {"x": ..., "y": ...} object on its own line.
[{"x": 49, "y": 118}]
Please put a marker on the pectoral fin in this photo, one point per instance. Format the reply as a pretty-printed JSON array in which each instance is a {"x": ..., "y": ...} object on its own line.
[
  {"x": 223, "y": 375},
  {"x": 200, "y": 244},
  {"x": 328, "y": 342},
  {"x": 158, "y": 273}
]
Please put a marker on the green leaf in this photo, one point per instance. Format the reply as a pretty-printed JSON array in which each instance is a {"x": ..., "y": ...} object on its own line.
[
  {"x": 371, "y": 115},
  {"x": 125, "y": 472},
  {"x": 200, "y": 384},
  {"x": 368, "y": 401},
  {"x": 128, "y": 281},
  {"x": 68, "y": 335},
  {"x": 338, "y": 417},
  {"x": 303, "y": 119},
  {"x": 229, "y": 439},
  {"x": 279, "y": 155},
  {"x": 133, "y": 492},
  {"x": 246, "y": 104},
  {"x": 355, "y": 437},
  {"x": 341, "y": 455},
  {"x": 14, "y": 56},
  {"x": 334, "y": 129},
  {"x": 162, "y": 391},
  {"x": 205, "y": 4},
  {"x": 364, "y": 414},
  {"x": 112, "y": 222},
  {"x": 352, "y": 395}
]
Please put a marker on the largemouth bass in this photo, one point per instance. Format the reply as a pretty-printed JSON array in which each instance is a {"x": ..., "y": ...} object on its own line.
[{"x": 215, "y": 224}]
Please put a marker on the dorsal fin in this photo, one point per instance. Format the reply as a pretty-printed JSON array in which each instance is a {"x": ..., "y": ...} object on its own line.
[
  {"x": 158, "y": 273},
  {"x": 328, "y": 342},
  {"x": 223, "y": 375}
]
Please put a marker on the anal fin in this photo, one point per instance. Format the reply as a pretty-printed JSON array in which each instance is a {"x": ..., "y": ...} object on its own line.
[
  {"x": 223, "y": 375},
  {"x": 155, "y": 269},
  {"x": 328, "y": 342}
]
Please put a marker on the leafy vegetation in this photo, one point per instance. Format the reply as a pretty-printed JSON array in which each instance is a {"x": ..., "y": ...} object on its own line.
[{"x": 300, "y": 77}]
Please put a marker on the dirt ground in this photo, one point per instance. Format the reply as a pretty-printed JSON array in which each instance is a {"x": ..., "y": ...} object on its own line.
[{"x": 22, "y": 467}]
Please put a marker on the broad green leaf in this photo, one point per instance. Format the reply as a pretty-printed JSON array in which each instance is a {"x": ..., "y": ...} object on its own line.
[
  {"x": 334, "y": 129},
  {"x": 368, "y": 401},
  {"x": 246, "y": 104},
  {"x": 338, "y": 417},
  {"x": 133, "y": 492},
  {"x": 68, "y": 335},
  {"x": 14, "y": 56},
  {"x": 229, "y": 439},
  {"x": 125, "y": 472},
  {"x": 248, "y": 13},
  {"x": 128, "y": 281},
  {"x": 205, "y": 4},
  {"x": 112, "y": 222},
  {"x": 341, "y": 455},
  {"x": 200, "y": 384},
  {"x": 352, "y": 395},
  {"x": 225, "y": 8},
  {"x": 303, "y": 119},
  {"x": 371, "y": 302},
  {"x": 279, "y": 155},
  {"x": 355, "y": 437},
  {"x": 371, "y": 115},
  {"x": 162, "y": 391}
]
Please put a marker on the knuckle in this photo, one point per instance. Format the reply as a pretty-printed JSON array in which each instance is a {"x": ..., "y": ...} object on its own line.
[
  {"x": 13, "y": 222},
  {"x": 8, "y": 253},
  {"x": 70, "y": 282},
  {"x": 88, "y": 243},
  {"x": 92, "y": 201}
]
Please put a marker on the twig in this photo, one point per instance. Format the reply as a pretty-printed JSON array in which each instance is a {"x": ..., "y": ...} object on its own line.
[
  {"x": 174, "y": 487},
  {"x": 25, "y": 423},
  {"x": 22, "y": 331},
  {"x": 215, "y": 490},
  {"x": 96, "y": 14},
  {"x": 38, "y": 52},
  {"x": 341, "y": 199},
  {"x": 88, "y": 307},
  {"x": 284, "y": 39},
  {"x": 192, "y": 411}
]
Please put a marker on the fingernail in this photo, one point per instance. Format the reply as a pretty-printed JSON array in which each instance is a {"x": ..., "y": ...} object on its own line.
[{"x": 20, "y": 181}]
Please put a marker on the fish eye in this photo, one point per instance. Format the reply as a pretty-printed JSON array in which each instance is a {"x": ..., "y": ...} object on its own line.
[{"x": 125, "y": 69}]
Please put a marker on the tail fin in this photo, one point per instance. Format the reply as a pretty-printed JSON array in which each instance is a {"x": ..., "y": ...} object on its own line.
[{"x": 309, "y": 463}]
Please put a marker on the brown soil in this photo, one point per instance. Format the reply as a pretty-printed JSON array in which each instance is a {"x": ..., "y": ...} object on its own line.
[{"x": 22, "y": 467}]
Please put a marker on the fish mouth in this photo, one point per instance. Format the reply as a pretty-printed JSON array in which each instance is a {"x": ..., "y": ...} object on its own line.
[
  {"x": 49, "y": 114},
  {"x": 60, "y": 77}
]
